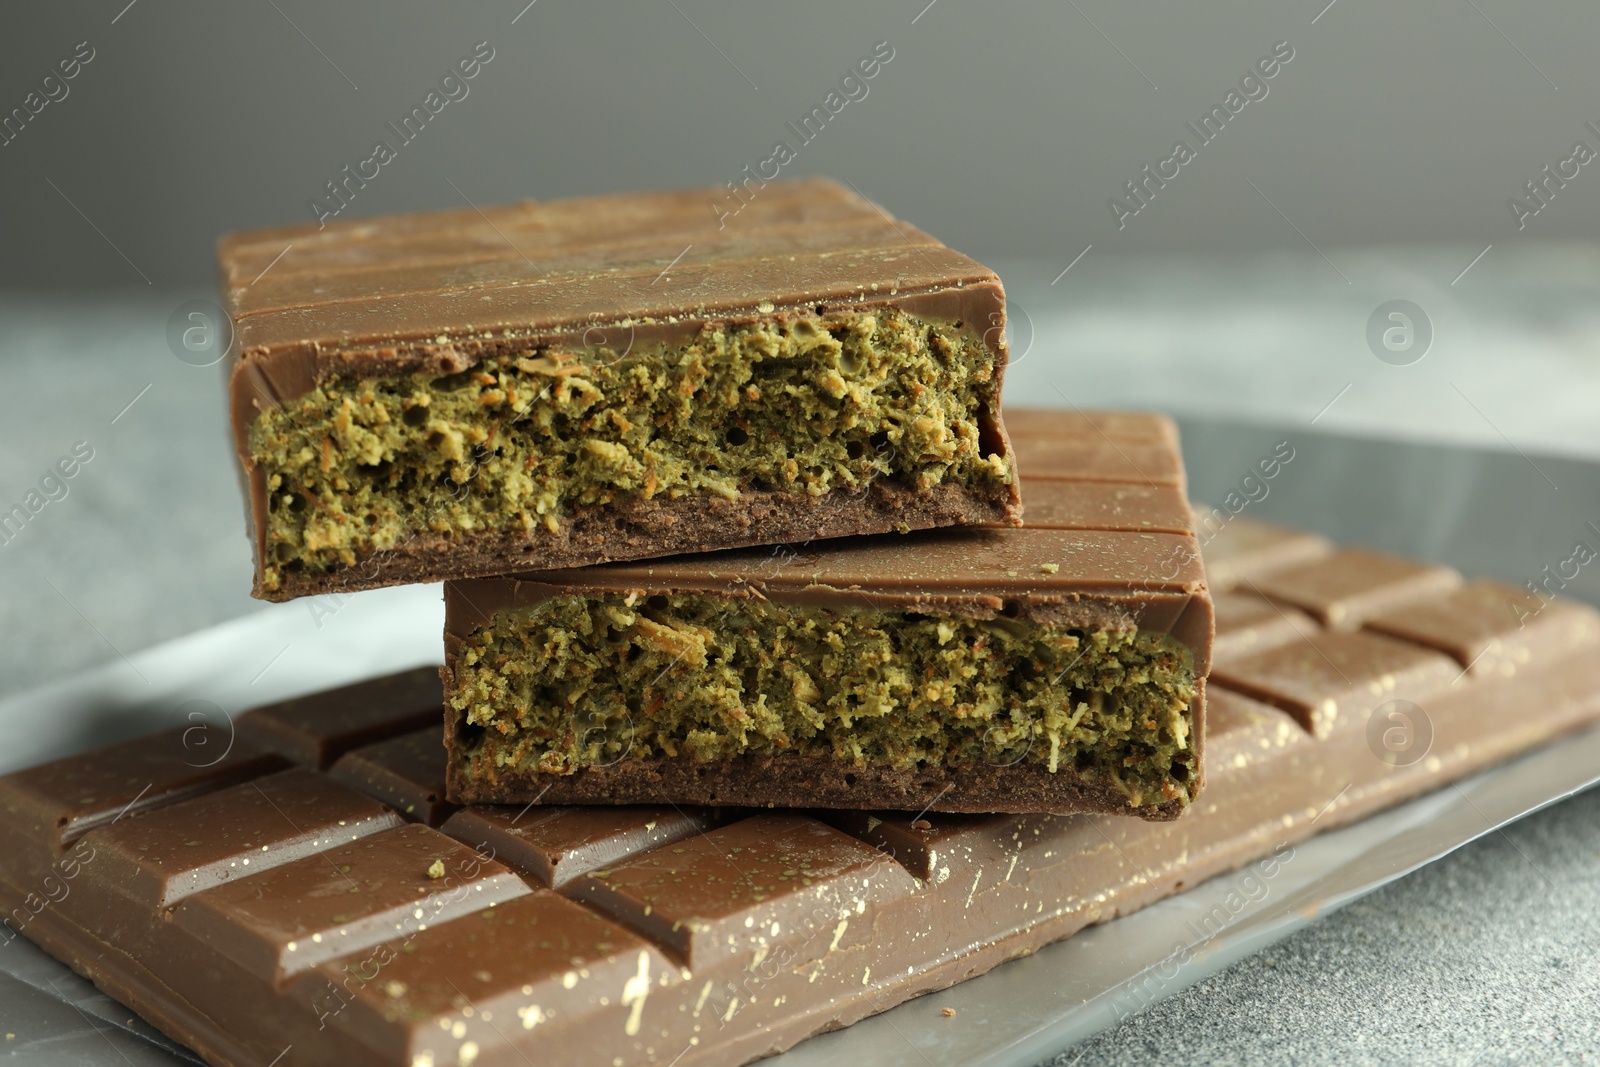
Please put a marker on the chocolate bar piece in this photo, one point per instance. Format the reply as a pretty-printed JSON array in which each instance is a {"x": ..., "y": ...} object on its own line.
[
  {"x": 1238, "y": 549},
  {"x": 1053, "y": 668},
  {"x": 558, "y": 384},
  {"x": 319, "y": 728},
  {"x": 262, "y": 915}
]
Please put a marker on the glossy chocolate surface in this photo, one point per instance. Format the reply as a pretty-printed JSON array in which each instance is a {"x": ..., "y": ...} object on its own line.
[
  {"x": 428, "y": 293},
  {"x": 256, "y": 912},
  {"x": 1108, "y": 543},
  {"x": 434, "y": 294}
]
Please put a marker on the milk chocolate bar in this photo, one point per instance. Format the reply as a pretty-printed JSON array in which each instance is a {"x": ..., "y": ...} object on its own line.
[
  {"x": 1053, "y": 668},
  {"x": 265, "y": 912},
  {"x": 557, "y": 384}
]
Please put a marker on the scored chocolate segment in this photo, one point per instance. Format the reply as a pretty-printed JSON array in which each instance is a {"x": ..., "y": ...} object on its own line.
[
  {"x": 69, "y": 797},
  {"x": 1101, "y": 470},
  {"x": 1122, "y": 427},
  {"x": 1242, "y": 733},
  {"x": 537, "y": 963},
  {"x": 1490, "y": 627},
  {"x": 185, "y": 848},
  {"x": 1247, "y": 623},
  {"x": 317, "y": 729},
  {"x": 923, "y": 844},
  {"x": 607, "y": 236},
  {"x": 1013, "y": 562},
  {"x": 1100, "y": 460},
  {"x": 343, "y": 900},
  {"x": 573, "y": 263},
  {"x": 737, "y": 890},
  {"x": 1481, "y": 721},
  {"x": 553, "y": 846},
  {"x": 1332, "y": 674},
  {"x": 1238, "y": 548},
  {"x": 984, "y": 564},
  {"x": 1343, "y": 589},
  {"x": 406, "y": 771},
  {"x": 1139, "y": 508}
]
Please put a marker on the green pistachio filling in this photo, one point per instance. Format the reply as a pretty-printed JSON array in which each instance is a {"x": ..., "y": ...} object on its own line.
[
  {"x": 802, "y": 405},
  {"x": 578, "y": 681}
]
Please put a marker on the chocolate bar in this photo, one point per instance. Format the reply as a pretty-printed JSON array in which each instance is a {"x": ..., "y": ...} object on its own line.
[
  {"x": 558, "y": 384},
  {"x": 1054, "y": 668},
  {"x": 268, "y": 913}
]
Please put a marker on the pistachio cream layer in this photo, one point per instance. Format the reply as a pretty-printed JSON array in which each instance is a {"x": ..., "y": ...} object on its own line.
[
  {"x": 800, "y": 405},
  {"x": 577, "y": 681}
]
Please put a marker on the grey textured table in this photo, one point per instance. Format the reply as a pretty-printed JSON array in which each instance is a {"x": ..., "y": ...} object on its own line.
[{"x": 1487, "y": 956}]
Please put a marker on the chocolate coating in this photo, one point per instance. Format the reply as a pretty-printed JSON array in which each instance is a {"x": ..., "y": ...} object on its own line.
[
  {"x": 319, "y": 728},
  {"x": 402, "y": 771},
  {"x": 1109, "y": 544},
  {"x": 355, "y": 938},
  {"x": 1346, "y": 588},
  {"x": 1238, "y": 548},
  {"x": 434, "y": 294}
]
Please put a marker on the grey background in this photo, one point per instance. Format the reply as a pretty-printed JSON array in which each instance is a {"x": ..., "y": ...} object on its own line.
[
  {"x": 1001, "y": 128},
  {"x": 1485, "y": 957},
  {"x": 1382, "y": 159}
]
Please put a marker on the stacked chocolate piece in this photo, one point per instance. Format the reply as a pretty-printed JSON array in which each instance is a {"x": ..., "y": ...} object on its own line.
[
  {"x": 472, "y": 395},
  {"x": 873, "y": 738}
]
